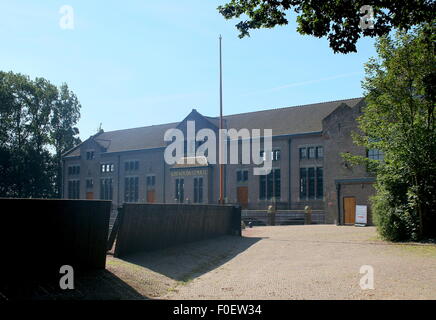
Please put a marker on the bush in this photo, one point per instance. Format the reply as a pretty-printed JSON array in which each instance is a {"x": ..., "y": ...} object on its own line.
[{"x": 394, "y": 223}]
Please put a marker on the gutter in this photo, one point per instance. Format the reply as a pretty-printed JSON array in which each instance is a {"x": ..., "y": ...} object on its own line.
[
  {"x": 338, "y": 192},
  {"x": 118, "y": 182},
  {"x": 289, "y": 173}
]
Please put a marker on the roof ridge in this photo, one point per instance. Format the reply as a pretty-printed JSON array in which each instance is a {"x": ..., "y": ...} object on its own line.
[
  {"x": 236, "y": 114},
  {"x": 153, "y": 125},
  {"x": 296, "y": 106}
]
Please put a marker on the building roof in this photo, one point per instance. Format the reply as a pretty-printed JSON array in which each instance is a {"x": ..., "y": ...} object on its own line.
[{"x": 283, "y": 121}]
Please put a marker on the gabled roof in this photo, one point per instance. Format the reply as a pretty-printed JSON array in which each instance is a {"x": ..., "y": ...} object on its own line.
[
  {"x": 283, "y": 121},
  {"x": 290, "y": 120}
]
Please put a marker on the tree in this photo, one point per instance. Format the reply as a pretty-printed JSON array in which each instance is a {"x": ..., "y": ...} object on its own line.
[
  {"x": 399, "y": 120},
  {"x": 37, "y": 126},
  {"x": 63, "y": 133},
  {"x": 342, "y": 21}
]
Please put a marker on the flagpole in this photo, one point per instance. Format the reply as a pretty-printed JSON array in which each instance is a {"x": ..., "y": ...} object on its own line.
[{"x": 221, "y": 165}]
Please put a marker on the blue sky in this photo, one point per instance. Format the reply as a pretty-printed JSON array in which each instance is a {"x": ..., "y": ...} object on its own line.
[{"x": 136, "y": 63}]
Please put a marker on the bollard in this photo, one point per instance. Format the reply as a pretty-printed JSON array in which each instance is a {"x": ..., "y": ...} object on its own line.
[{"x": 308, "y": 215}]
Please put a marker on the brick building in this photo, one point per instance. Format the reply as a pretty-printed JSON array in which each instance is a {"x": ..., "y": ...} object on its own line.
[{"x": 128, "y": 165}]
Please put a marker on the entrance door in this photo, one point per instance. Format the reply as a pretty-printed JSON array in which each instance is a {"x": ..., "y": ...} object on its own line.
[
  {"x": 151, "y": 196},
  {"x": 90, "y": 195},
  {"x": 242, "y": 196},
  {"x": 349, "y": 210}
]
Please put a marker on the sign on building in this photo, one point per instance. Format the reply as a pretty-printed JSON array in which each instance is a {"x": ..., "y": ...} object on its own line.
[{"x": 361, "y": 215}]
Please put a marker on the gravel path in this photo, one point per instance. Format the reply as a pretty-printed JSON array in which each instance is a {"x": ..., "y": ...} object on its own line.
[{"x": 305, "y": 262}]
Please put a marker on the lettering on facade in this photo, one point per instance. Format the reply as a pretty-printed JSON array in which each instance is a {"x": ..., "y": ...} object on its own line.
[{"x": 188, "y": 173}]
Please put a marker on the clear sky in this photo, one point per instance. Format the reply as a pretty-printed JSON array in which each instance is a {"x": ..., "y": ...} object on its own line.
[{"x": 136, "y": 63}]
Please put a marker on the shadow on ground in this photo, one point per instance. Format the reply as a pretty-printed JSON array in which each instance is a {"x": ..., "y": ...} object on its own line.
[
  {"x": 191, "y": 260},
  {"x": 92, "y": 285}
]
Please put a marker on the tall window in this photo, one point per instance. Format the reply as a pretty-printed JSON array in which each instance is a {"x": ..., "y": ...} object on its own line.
[
  {"x": 303, "y": 153},
  {"x": 277, "y": 184},
  {"x": 262, "y": 187},
  {"x": 106, "y": 191},
  {"x": 319, "y": 183},
  {"x": 311, "y": 183},
  {"x": 131, "y": 189},
  {"x": 180, "y": 190},
  {"x": 311, "y": 152},
  {"x": 150, "y": 182},
  {"x": 270, "y": 185},
  {"x": 303, "y": 183},
  {"x": 89, "y": 183},
  {"x": 198, "y": 190},
  {"x": 89, "y": 155},
  {"x": 74, "y": 189},
  {"x": 319, "y": 152},
  {"x": 311, "y": 177}
]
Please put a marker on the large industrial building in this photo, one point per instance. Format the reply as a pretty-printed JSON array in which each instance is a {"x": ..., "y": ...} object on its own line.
[{"x": 308, "y": 169}]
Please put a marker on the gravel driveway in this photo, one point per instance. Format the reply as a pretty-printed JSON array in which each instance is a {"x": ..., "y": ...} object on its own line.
[
  {"x": 288, "y": 262},
  {"x": 318, "y": 262}
]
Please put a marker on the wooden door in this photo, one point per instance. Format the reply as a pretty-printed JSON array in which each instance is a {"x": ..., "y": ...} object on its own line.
[
  {"x": 349, "y": 210},
  {"x": 90, "y": 195},
  {"x": 242, "y": 196},
  {"x": 151, "y": 196}
]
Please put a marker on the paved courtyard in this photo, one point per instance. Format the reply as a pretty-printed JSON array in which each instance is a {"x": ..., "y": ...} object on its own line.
[{"x": 284, "y": 262}]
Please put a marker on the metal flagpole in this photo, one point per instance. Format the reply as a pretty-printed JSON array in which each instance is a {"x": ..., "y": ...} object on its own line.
[{"x": 221, "y": 199}]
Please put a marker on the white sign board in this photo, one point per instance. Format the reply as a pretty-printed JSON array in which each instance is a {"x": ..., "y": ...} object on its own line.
[{"x": 361, "y": 215}]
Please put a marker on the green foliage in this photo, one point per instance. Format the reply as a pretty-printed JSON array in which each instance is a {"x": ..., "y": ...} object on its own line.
[
  {"x": 37, "y": 126},
  {"x": 338, "y": 20},
  {"x": 399, "y": 120}
]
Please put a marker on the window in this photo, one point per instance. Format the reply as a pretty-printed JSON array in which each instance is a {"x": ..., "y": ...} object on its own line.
[
  {"x": 89, "y": 155},
  {"x": 245, "y": 175},
  {"x": 131, "y": 189},
  {"x": 198, "y": 190},
  {"x": 89, "y": 183},
  {"x": 180, "y": 190},
  {"x": 277, "y": 184},
  {"x": 311, "y": 183},
  {"x": 375, "y": 154},
  {"x": 262, "y": 187},
  {"x": 269, "y": 185},
  {"x": 311, "y": 152},
  {"x": 107, "y": 167},
  {"x": 311, "y": 177},
  {"x": 303, "y": 183},
  {"x": 74, "y": 189},
  {"x": 319, "y": 152},
  {"x": 319, "y": 183},
  {"x": 242, "y": 175},
  {"x": 73, "y": 170},
  {"x": 132, "y": 165},
  {"x": 263, "y": 155},
  {"x": 150, "y": 182},
  {"x": 303, "y": 153},
  {"x": 276, "y": 155},
  {"x": 106, "y": 189}
]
